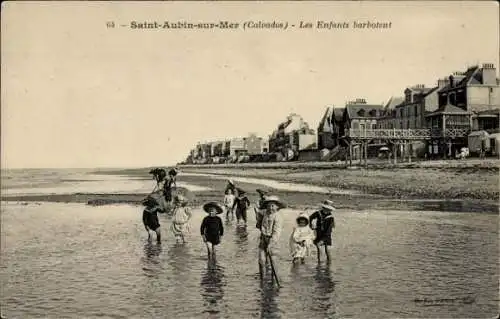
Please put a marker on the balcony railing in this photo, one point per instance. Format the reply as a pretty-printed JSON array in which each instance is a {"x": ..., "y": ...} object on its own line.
[{"x": 407, "y": 134}]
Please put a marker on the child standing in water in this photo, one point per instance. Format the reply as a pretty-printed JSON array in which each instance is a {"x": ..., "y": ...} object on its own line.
[
  {"x": 181, "y": 216},
  {"x": 211, "y": 227},
  {"x": 228, "y": 203},
  {"x": 150, "y": 217},
  {"x": 241, "y": 203},
  {"x": 301, "y": 239}
]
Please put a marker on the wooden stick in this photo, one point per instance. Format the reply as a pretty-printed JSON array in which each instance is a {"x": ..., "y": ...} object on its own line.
[{"x": 272, "y": 265}]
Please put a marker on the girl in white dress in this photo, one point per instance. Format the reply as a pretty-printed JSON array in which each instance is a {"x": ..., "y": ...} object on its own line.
[
  {"x": 301, "y": 239},
  {"x": 180, "y": 220}
]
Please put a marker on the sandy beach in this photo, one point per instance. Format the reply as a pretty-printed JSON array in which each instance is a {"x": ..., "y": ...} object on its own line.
[{"x": 438, "y": 185}]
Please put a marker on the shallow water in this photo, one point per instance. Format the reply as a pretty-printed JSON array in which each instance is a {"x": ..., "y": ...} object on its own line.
[
  {"x": 76, "y": 261},
  {"x": 293, "y": 187},
  {"x": 85, "y": 183}
]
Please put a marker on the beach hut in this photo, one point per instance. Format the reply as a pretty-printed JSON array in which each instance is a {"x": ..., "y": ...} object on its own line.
[
  {"x": 478, "y": 139},
  {"x": 494, "y": 143}
]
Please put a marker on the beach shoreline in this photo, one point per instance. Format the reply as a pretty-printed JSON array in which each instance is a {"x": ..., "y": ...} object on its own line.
[
  {"x": 465, "y": 185},
  {"x": 459, "y": 180}
]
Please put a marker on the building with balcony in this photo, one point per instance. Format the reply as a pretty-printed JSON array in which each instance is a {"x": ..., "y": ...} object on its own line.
[
  {"x": 362, "y": 117},
  {"x": 388, "y": 118},
  {"x": 468, "y": 101}
]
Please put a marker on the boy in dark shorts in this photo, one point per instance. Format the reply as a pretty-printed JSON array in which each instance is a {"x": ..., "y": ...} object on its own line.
[
  {"x": 324, "y": 224},
  {"x": 211, "y": 227},
  {"x": 150, "y": 217}
]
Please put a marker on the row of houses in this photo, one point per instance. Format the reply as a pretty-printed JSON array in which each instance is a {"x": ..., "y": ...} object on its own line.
[
  {"x": 467, "y": 100},
  {"x": 287, "y": 140},
  {"x": 464, "y": 100}
]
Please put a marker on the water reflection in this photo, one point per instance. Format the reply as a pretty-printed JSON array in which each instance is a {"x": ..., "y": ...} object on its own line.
[
  {"x": 212, "y": 283},
  {"x": 241, "y": 241},
  {"x": 268, "y": 304},
  {"x": 323, "y": 290},
  {"x": 151, "y": 259}
]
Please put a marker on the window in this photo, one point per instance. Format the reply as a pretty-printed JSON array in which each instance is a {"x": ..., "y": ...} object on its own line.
[
  {"x": 415, "y": 110},
  {"x": 355, "y": 125},
  {"x": 453, "y": 99}
]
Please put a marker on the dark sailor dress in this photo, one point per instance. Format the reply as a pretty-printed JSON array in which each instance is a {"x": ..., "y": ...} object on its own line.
[
  {"x": 324, "y": 227},
  {"x": 150, "y": 217},
  {"x": 212, "y": 229}
]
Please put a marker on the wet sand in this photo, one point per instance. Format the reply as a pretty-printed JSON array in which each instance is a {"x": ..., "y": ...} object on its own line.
[
  {"x": 467, "y": 182},
  {"x": 297, "y": 200},
  {"x": 472, "y": 179}
]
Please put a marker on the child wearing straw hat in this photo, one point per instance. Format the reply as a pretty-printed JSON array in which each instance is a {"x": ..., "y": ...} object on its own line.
[
  {"x": 211, "y": 228},
  {"x": 181, "y": 216},
  {"x": 270, "y": 229},
  {"x": 322, "y": 222}
]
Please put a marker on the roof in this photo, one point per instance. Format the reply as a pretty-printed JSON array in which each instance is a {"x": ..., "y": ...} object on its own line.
[
  {"x": 487, "y": 112},
  {"x": 325, "y": 125},
  {"x": 338, "y": 112},
  {"x": 449, "y": 108},
  {"x": 354, "y": 109},
  {"x": 434, "y": 89},
  {"x": 391, "y": 105},
  {"x": 471, "y": 76},
  {"x": 393, "y": 102},
  {"x": 418, "y": 89}
]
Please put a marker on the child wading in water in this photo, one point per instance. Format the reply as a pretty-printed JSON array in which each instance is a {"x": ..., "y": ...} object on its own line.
[
  {"x": 301, "y": 239},
  {"x": 228, "y": 203},
  {"x": 150, "y": 217},
  {"x": 181, "y": 216},
  {"x": 323, "y": 223},
  {"x": 211, "y": 227},
  {"x": 241, "y": 203}
]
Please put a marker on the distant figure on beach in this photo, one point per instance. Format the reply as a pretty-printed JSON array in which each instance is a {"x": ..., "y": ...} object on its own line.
[
  {"x": 150, "y": 217},
  {"x": 323, "y": 223},
  {"x": 181, "y": 216},
  {"x": 211, "y": 227},
  {"x": 159, "y": 175},
  {"x": 241, "y": 203},
  {"x": 270, "y": 230},
  {"x": 301, "y": 239},
  {"x": 262, "y": 197},
  {"x": 170, "y": 183},
  {"x": 260, "y": 208},
  {"x": 230, "y": 185},
  {"x": 229, "y": 203}
]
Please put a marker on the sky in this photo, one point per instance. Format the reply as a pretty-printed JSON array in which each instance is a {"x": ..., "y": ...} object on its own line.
[{"x": 78, "y": 94}]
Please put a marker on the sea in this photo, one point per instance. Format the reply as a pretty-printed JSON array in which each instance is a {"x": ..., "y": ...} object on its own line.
[{"x": 72, "y": 260}]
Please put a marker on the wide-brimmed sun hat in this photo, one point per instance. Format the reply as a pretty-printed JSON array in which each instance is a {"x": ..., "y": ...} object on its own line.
[
  {"x": 328, "y": 204},
  {"x": 275, "y": 200},
  {"x": 209, "y": 205},
  {"x": 261, "y": 192},
  {"x": 240, "y": 191}
]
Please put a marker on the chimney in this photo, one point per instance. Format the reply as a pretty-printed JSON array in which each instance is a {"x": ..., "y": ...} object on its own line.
[
  {"x": 443, "y": 82},
  {"x": 489, "y": 74},
  {"x": 450, "y": 78}
]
